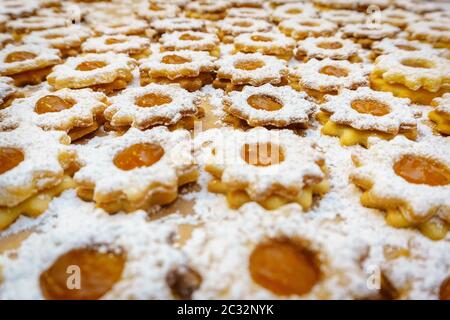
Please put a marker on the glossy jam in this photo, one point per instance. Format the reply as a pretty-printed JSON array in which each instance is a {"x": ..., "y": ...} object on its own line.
[
  {"x": 262, "y": 154},
  {"x": 331, "y": 45},
  {"x": 189, "y": 37},
  {"x": 152, "y": 100},
  {"x": 114, "y": 41},
  {"x": 90, "y": 65},
  {"x": 334, "y": 71},
  {"x": 10, "y": 158},
  {"x": 264, "y": 102},
  {"x": 19, "y": 56},
  {"x": 138, "y": 155},
  {"x": 52, "y": 104},
  {"x": 421, "y": 170},
  {"x": 260, "y": 38},
  {"x": 243, "y": 24},
  {"x": 97, "y": 271},
  {"x": 249, "y": 65},
  {"x": 406, "y": 47},
  {"x": 373, "y": 107},
  {"x": 417, "y": 63},
  {"x": 174, "y": 59},
  {"x": 284, "y": 268}
]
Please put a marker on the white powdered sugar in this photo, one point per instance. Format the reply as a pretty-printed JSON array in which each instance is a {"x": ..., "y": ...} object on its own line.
[
  {"x": 36, "y": 23},
  {"x": 430, "y": 31},
  {"x": 370, "y": 31},
  {"x": 311, "y": 77},
  {"x": 271, "y": 41},
  {"x": 198, "y": 41},
  {"x": 178, "y": 24},
  {"x": 208, "y": 6},
  {"x": 387, "y": 46},
  {"x": 303, "y": 27},
  {"x": 6, "y": 89},
  {"x": 443, "y": 104},
  {"x": 59, "y": 37},
  {"x": 343, "y": 17},
  {"x": 5, "y": 38},
  {"x": 296, "y": 109},
  {"x": 399, "y": 116},
  {"x": 237, "y": 26},
  {"x": 153, "y": 11},
  {"x": 118, "y": 44},
  {"x": 125, "y": 26},
  {"x": 123, "y": 109},
  {"x": 316, "y": 48},
  {"x": 251, "y": 13},
  {"x": 293, "y": 10},
  {"x": 17, "y": 8}
]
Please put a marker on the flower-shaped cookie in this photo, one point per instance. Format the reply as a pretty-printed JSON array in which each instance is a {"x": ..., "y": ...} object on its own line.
[
  {"x": 249, "y": 13},
  {"x": 388, "y": 46},
  {"x": 18, "y": 8},
  {"x": 434, "y": 32},
  {"x": 25, "y": 25},
  {"x": 106, "y": 72},
  {"x": 178, "y": 24},
  {"x": 229, "y": 28},
  {"x": 207, "y": 9},
  {"x": 151, "y": 105},
  {"x": 8, "y": 92},
  {"x": 361, "y": 5},
  {"x": 365, "y": 34},
  {"x": 69, "y": 110},
  {"x": 334, "y": 48},
  {"x": 441, "y": 114},
  {"x": 356, "y": 115},
  {"x": 409, "y": 180},
  {"x": 136, "y": 170},
  {"x": 32, "y": 161},
  {"x": 293, "y": 10},
  {"x": 270, "y": 106},
  {"x": 190, "y": 40},
  {"x": 124, "y": 26},
  {"x": 151, "y": 11},
  {"x": 252, "y": 68},
  {"x": 270, "y": 43},
  {"x": 343, "y": 17},
  {"x": 135, "y": 46},
  {"x": 398, "y": 17},
  {"x": 28, "y": 63},
  {"x": 270, "y": 167},
  {"x": 301, "y": 28}
]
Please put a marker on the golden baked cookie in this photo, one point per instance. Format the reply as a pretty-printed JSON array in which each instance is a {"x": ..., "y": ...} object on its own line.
[
  {"x": 366, "y": 34},
  {"x": 8, "y": 92},
  {"x": 135, "y": 46},
  {"x": 268, "y": 43},
  {"x": 334, "y": 48},
  {"x": 213, "y": 10},
  {"x": 190, "y": 40},
  {"x": 230, "y": 28},
  {"x": 441, "y": 114},
  {"x": 302, "y": 28}
]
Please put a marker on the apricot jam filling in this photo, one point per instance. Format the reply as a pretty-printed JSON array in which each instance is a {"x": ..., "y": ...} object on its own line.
[
  {"x": 406, "y": 47},
  {"x": 294, "y": 11},
  {"x": 174, "y": 59},
  {"x": 98, "y": 272},
  {"x": 330, "y": 45},
  {"x": 284, "y": 268},
  {"x": 10, "y": 158},
  {"x": 264, "y": 102},
  {"x": 334, "y": 71},
  {"x": 444, "y": 291},
  {"x": 249, "y": 65},
  {"x": 138, "y": 155},
  {"x": 417, "y": 63},
  {"x": 243, "y": 24},
  {"x": 421, "y": 170},
  {"x": 90, "y": 65},
  {"x": 189, "y": 37},
  {"x": 261, "y": 38},
  {"x": 262, "y": 154},
  {"x": 152, "y": 100},
  {"x": 19, "y": 56},
  {"x": 52, "y": 104},
  {"x": 114, "y": 41},
  {"x": 373, "y": 107}
]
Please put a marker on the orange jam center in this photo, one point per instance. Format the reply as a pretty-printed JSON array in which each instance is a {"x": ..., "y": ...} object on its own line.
[
  {"x": 243, "y": 24},
  {"x": 138, "y": 155},
  {"x": 97, "y": 273},
  {"x": 114, "y": 41},
  {"x": 440, "y": 28},
  {"x": 261, "y": 38},
  {"x": 152, "y": 99},
  {"x": 444, "y": 292},
  {"x": 90, "y": 65},
  {"x": 330, "y": 45},
  {"x": 373, "y": 107},
  {"x": 53, "y": 36},
  {"x": 249, "y": 65},
  {"x": 420, "y": 170},
  {"x": 187, "y": 36},
  {"x": 417, "y": 63},
  {"x": 154, "y": 7},
  {"x": 19, "y": 56},
  {"x": 334, "y": 71},
  {"x": 264, "y": 102},
  {"x": 174, "y": 59},
  {"x": 284, "y": 268},
  {"x": 406, "y": 47},
  {"x": 294, "y": 11},
  {"x": 52, "y": 104},
  {"x": 10, "y": 158},
  {"x": 262, "y": 154},
  {"x": 309, "y": 24}
]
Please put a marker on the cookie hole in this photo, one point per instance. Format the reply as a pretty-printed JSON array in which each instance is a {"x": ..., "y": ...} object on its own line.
[
  {"x": 440, "y": 28},
  {"x": 334, "y": 71},
  {"x": 262, "y": 154},
  {"x": 444, "y": 290},
  {"x": 189, "y": 37},
  {"x": 330, "y": 45},
  {"x": 260, "y": 38},
  {"x": 294, "y": 11},
  {"x": 183, "y": 282},
  {"x": 19, "y": 56},
  {"x": 53, "y": 36},
  {"x": 406, "y": 47},
  {"x": 114, "y": 41},
  {"x": 284, "y": 267},
  {"x": 417, "y": 63},
  {"x": 421, "y": 170},
  {"x": 90, "y": 65},
  {"x": 52, "y": 104},
  {"x": 138, "y": 155},
  {"x": 174, "y": 59},
  {"x": 97, "y": 270},
  {"x": 373, "y": 107},
  {"x": 152, "y": 100},
  {"x": 309, "y": 24},
  {"x": 10, "y": 158},
  {"x": 264, "y": 102},
  {"x": 249, "y": 64},
  {"x": 243, "y": 24}
]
